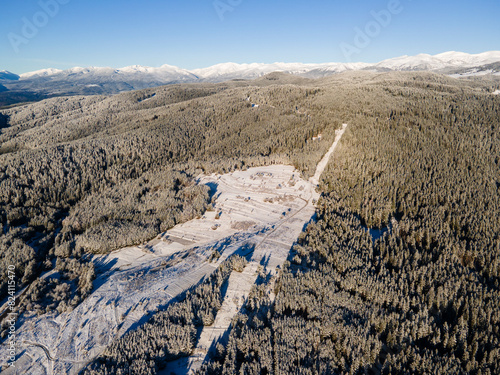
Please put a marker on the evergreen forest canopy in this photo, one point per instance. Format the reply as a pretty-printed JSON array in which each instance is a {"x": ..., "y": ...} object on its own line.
[
  {"x": 419, "y": 162},
  {"x": 87, "y": 175}
]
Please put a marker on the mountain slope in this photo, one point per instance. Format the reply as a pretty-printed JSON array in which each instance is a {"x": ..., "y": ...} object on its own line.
[
  {"x": 227, "y": 71},
  {"x": 419, "y": 163},
  {"x": 447, "y": 60},
  {"x": 5, "y": 75},
  {"x": 104, "y": 80},
  {"x": 98, "y": 80}
]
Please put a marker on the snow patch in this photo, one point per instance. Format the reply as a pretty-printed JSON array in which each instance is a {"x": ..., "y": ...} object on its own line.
[
  {"x": 133, "y": 282},
  {"x": 41, "y": 73},
  {"x": 324, "y": 162}
]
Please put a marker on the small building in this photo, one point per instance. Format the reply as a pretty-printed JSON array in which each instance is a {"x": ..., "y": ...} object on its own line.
[{"x": 318, "y": 137}]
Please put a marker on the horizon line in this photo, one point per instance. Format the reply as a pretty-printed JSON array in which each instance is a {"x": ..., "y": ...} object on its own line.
[{"x": 246, "y": 63}]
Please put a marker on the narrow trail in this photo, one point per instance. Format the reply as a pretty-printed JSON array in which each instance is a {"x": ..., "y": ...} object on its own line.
[
  {"x": 324, "y": 162},
  {"x": 49, "y": 356},
  {"x": 240, "y": 284},
  {"x": 43, "y": 347}
]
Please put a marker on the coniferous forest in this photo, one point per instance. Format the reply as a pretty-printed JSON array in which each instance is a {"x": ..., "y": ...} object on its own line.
[
  {"x": 399, "y": 273},
  {"x": 88, "y": 175}
]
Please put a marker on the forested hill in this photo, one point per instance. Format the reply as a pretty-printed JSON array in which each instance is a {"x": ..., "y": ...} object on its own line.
[
  {"x": 419, "y": 162},
  {"x": 83, "y": 175}
]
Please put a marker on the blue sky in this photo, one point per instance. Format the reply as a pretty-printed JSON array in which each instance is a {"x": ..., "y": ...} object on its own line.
[{"x": 193, "y": 34}]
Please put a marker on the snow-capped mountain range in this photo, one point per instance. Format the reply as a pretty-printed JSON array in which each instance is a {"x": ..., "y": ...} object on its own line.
[
  {"x": 97, "y": 80},
  {"x": 447, "y": 60}
]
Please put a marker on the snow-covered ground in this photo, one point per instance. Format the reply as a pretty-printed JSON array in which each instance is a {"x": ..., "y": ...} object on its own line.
[
  {"x": 271, "y": 251},
  {"x": 265, "y": 206},
  {"x": 473, "y": 73},
  {"x": 324, "y": 162},
  {"x": 137, "y": 280}
]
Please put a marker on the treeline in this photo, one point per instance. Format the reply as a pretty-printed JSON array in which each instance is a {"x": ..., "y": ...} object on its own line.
[
  {"x": 421, "y": 163},
  {"x": 169, "y": 334},
  {"x": 62, "y": 291},
  {"x": 13, "y": 98}
]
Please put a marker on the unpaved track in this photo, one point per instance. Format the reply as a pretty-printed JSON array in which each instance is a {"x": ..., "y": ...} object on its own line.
[
  {"x": 324, "y": 162},
  {"x": 239, "y": 286},
  {"x": 43, "y": 347}
]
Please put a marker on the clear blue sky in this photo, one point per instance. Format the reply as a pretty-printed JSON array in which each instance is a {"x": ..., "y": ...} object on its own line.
[{"x": 190, "y": 34}]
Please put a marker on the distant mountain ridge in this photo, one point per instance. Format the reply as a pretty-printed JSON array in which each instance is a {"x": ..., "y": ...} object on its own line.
[
  {"x": 105, "y": 80},
  {"x": 402, "y": 63},
  {"x": 5, "y": 75}
]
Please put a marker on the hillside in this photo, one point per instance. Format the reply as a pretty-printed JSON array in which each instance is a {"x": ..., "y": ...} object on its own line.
[
  {"x": 398, "y": 270},
  {"x": 93, "y": 174},
  {"x": 400, "y": 273}
]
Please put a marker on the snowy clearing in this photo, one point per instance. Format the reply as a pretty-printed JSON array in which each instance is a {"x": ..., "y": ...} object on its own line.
[
  {"x": 265, "y": 206},
  {"x": 272, "y": 250}
]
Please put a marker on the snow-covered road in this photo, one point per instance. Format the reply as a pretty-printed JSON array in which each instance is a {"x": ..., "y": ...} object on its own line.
[{"x": 324, "y": 162}]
